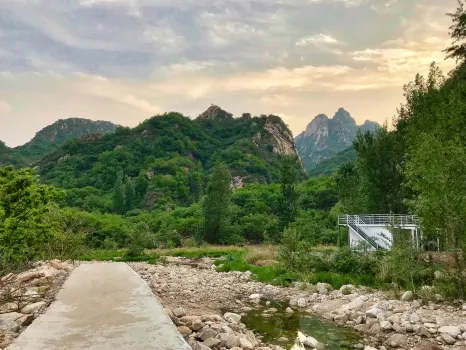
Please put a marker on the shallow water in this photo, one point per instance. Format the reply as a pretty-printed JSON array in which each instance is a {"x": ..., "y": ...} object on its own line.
[{"x": 296, "y": 327}]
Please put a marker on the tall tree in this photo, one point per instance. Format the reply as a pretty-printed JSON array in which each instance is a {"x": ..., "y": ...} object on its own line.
[
  {"x": 119, "y": 195},
  {"x": 130, "y": 194},
  {"x": 458, "y": 33},
  {"x": 216, "y": 205},
  {"x": 288, "y": 203}
]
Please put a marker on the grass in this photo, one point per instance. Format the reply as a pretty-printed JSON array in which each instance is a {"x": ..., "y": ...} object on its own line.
[{"x": 117, "y": 255}]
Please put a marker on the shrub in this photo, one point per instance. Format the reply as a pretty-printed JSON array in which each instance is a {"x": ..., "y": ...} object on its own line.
[{"x": 139, "y": 240}]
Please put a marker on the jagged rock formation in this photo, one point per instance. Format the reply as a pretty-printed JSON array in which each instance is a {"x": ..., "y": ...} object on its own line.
[
  {"x": 324, "y": 137},
  {"x": 215, "y": 112},
  {"x": 51, "y": 137}
]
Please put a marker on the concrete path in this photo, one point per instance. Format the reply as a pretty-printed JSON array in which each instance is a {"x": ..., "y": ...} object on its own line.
[{"x": 102, "y": 307}]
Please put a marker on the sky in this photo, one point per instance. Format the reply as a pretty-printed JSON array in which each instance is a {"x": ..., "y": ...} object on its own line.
[{"x": 127, "y": 60}]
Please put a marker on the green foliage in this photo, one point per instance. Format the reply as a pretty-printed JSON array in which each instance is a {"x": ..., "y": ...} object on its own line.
[
  {"x": 119, "y": 195},
  {"x": 216, "y": 206},
  {"x": 289, "y": 196},
  {"x": 139, "y": 239},
  {"x": 24, "y": 205},
  {"x": 458, "y": 33},
  {"x": 330, "y": 166},
  {"x": 130, "y": 194}
]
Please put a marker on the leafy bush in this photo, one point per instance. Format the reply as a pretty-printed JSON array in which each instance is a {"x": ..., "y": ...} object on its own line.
[{"x": 139, "y": 240}]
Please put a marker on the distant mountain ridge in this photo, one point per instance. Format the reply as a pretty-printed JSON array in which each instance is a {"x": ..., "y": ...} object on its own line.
[
  {"x": 325, "y": 137},
  {"x": 50, "y": 138}
]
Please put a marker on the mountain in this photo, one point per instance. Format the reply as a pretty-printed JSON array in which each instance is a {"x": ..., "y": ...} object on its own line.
[
  {"x": 50, "y": 138},
  {"x": 324, "y": 137},
  {"x": 330, "y": 166},
  {"x": 168, "y": 156}
]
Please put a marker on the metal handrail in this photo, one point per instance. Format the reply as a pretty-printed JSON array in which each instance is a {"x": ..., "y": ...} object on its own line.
[
  {"x": 381, "y": 219},
  {"x": 353, "y": 222}
]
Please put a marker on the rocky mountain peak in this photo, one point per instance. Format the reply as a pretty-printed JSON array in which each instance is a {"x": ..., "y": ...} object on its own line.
[
  {"x": 215, "y": 112},
  {"x": 324, "y": 137}
]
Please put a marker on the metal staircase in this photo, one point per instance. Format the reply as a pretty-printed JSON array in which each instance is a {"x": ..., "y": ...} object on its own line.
[{"x": 356, "y": 224}]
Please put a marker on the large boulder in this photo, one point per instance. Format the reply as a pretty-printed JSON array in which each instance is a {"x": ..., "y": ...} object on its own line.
[
  {"x": 33, "y": 308},
  {"x": 232, "y": 317},
  {"x": 407, "y": 296},
  {"x": 450, "y": 330}
]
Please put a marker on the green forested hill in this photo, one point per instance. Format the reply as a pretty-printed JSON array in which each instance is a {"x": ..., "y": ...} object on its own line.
[
  {"x": 331, "y": 165},
  {"x": 166, "y": 158},
  {"x": 50, "y": 138}
]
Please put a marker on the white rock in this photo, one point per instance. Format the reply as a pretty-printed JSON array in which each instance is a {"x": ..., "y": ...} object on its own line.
[
  {"x": 450, "y": 330},
  {"x": 373, "y": 312},
  {"x": 301, "y": 302},
  {"x": 33, "y": 308},
  {"x": 407, "y": 296},
  {"x": 448, "y": 338},
  {"x": 293, "y": 302},
  {"x": 179, "y": 312},
  {"x": 255, "y": 296},
  {"x": 367, "y": 347},
  {"x": 232, "y": 317},
  {"x": 386, "y": 325},
  {"x": 245, "y": 344},
  {"x": 289, "y": 310},
  {"x": 414, "y": 318},
  {"x": 311, "y": 342}
]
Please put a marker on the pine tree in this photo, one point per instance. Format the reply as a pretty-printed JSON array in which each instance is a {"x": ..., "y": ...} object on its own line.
[
  {"x": 288, "y": 206},
  {"x": 119, "y": 195},
  {"x": 217, "y": 205},
  {"x": 130, "y": 194}
]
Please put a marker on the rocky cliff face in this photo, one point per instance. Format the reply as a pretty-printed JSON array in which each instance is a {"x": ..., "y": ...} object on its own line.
[
  {"x": 215, "y": 112},
  {"x": 324, "y": 137},
  {"x": 52, "y": 137}
]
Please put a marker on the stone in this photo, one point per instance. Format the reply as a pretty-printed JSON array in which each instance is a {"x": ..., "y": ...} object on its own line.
[
  {"x": 245, "y": 344},
  {"x": 25, "y": 320},
  {"x": 33, "y": 308},
  {"x": 8, "y": 322},
  {"x": 301, "y": 302},
  {"x": 393, "y": 319},
  {"x": 30, "y": 275},
  {"x": 206, "y": 333},
  {"x": 397, "y": 340},
  {"x": 347, "y": 289},
  {"x": 407, "y": 296},
  {"x": 373, "y": 312},
  {"x": 289, "y": 310},
  {"x": 452, "y": 331},
  {"x": 199, "y": 346},
  {"x": 311, "y": 342},
  {"x": 293, "y": 302},
  {"x": 179, "y": 312},
  {"x": 386, "y": 325},
  {"x": 184, "y": 331},
  {"x": 232, "y": 317},
  {"x": 282, "y": 340},
  {"x": 426, "y": 345},
  {"x": 367, "y": 347},
  {"x": 324, "y": 288},
  {"x": 211, "y": 342},
  {"x": 255, "y": 296},
  {"x": 397, "y": 328},
  {"x": 197, "y": 325},
  {"x": 414, "y": 318},
  {"x": 56, "y": 264},
  {"x": 448, "y": 339},
  {"x": 363, "y": 327},
  {"x": 232, "y": 342}
]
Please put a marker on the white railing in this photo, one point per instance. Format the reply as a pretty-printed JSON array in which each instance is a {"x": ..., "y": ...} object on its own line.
[{"x": 380, "y": 220}]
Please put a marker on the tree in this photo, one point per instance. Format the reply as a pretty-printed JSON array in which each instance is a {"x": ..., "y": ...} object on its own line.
[
  {"x": 130, "y": 194},
  {"x": 119, "y": 195},
  {"x": 216, "y": 205},
  {"x": 24, "y": 206},
  {"x": 458, "y": 33},
  {"x": 288, "y": 208}
]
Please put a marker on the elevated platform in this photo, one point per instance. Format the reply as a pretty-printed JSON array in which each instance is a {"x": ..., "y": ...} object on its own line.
[{"x": 372, "y": 231}]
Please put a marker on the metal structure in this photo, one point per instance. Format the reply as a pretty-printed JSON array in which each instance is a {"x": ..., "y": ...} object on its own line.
[{"x": 374, "y": 230}]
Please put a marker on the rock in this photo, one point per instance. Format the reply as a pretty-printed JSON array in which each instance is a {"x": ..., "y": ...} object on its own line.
[
  {"x": 56, "y": 264},
  {"x": 386, "y": 325},
  {"x": 414, "y": 318},
  {"x": 25, "y": 320},
  {"x": 232, "y": 342},
  {"x": 293, "y": 302},
  {"x": 448, "y": 339},
  {"x": 199, "y": 346},
  {"x": 197, "y": 325},
  {"x": 33, "y": 308},
  {"x": 6, "y": 338},
  {"x": 8, "y": 322},
  {"x": 282, "y": 340},
  {"x": 453, "y": 331},
  {"x": 358, "y": 346},
  {"x": 397, "y": 340},
  {"x": 245, "y": 344},
  {"x": 367, "y": 347},
  {"x": 426, "y": 345},
  {"x": 211, "y": 342},
  {"x": 311, "y": 342},
  {"x": 393, "y": 319},
  {"x": 324, "y": 288},
  {"x": 331, "y": 305},
  {"x": 30, "y": 275},
  {"x": 184, "y": 331},
  {"x": 179, "y": 312},
  {"x": 363, "y": 327},
  {"x": 353, "y": 305},
  {"x": 301, "y": 302},
  {"x": 347, "y": 289},
  {"x": 232, "y": 317},
  {"x": 397, "y": 328},
  {"x": 407, "y": 296},
  {"x": 289, "y": 310},
  {"x": 373, "y": 312},
  {"x": 255, "y": 296},
  {"x": 206, "y": 333}
]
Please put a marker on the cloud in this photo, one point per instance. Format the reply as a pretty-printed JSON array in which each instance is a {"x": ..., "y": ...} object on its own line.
[
  {"x": 5, "y": 108},
  {"x": 317, "y": 39}
]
